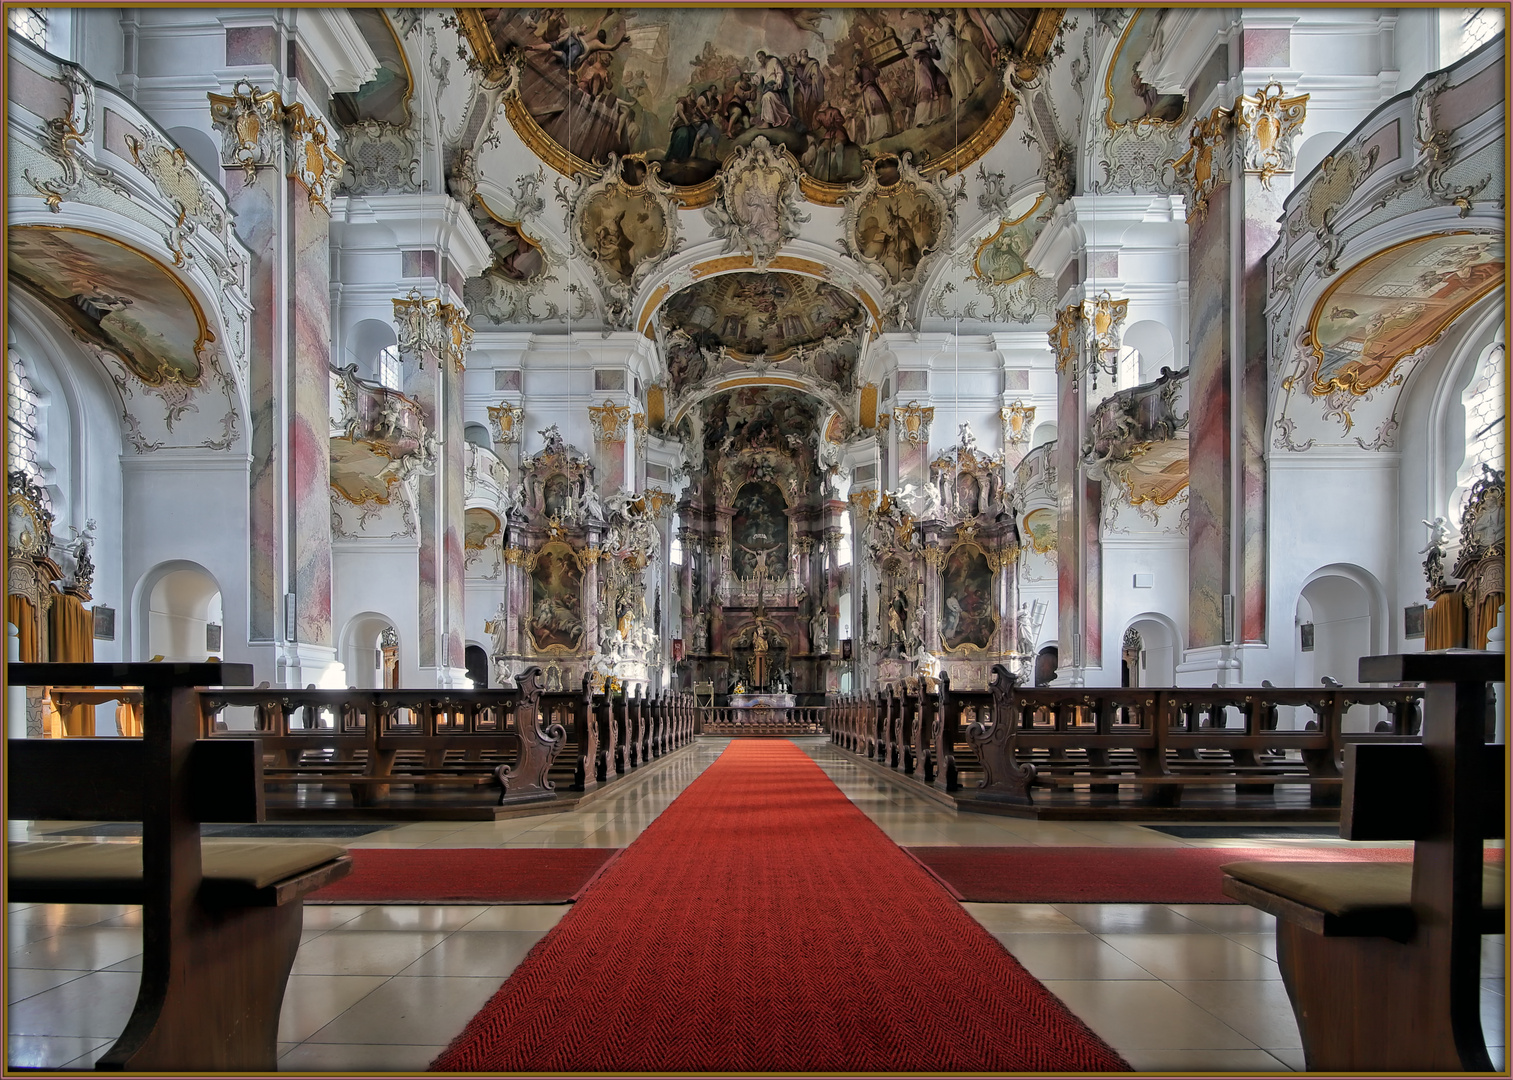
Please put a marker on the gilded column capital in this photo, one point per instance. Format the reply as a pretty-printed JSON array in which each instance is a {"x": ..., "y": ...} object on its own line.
[
  {"x": 506, "y": 420},
  {"x": 1063, "y": 336},
  {"x": 609, "y": 421},
  {"x": 312, "y": 161},
  {"x": 661, "y": 502},
  {"x": 1268, "y": 123},
  {"x": 426, "y": 326},
  {"x": 1103, "y": 324},
  {"x": 250, "y": 121},
  {"x": 864, "y": 501},
  {"x": 1018, "y": 419},
  {"x": 914, "y": 422},
  {"x": 1201, "y": 169}
]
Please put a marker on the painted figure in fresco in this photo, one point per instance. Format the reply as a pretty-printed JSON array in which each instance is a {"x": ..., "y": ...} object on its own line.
[
  {"x": 932, "y": 90},
  {"x": 808, "y": 85},
  {"x": 876, "y": 111},
  {"x": 773, "y": 107},
  {"x": 739, "y": 108},
  {"x": 831, "y": 155}
]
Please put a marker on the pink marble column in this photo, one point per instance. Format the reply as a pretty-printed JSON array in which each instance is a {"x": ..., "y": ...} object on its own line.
[
  {"x": 437, "y": 388},
  {"x": 308, "y": 385},
  {"x": 256, "y": 208}
]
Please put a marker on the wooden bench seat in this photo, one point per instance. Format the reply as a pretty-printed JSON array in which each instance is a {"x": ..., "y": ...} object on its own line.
[
  {"x": 1382, "y": 962},
  {"x": 234, "y": 873},
  {"x": 221, "y": 919},
  {"x": 1349, "y": 899}
]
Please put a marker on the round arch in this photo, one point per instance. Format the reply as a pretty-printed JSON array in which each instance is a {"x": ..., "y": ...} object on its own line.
[
  {"x": 1160, "y": 642},
  {"x": 1347, "y": 606},
  {"x": 175, "y": 603},
  {"x": 369, "y": 664}
]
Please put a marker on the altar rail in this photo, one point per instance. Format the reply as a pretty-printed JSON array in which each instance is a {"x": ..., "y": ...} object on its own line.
[
  {"x": 770, "y": 720},
  {"x": 1126, "y": 747}
]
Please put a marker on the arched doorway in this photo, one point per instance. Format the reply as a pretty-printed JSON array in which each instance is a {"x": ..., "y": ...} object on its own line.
[
  {"x": 183, "y": 617},
  {"x": 476, "y": 659},
  {"x": 1152, "y": 659},
  {"x": 1046, "y": 662},
  {"x": 370, "y": 651},
  {"x": 1338, "y": 622}
]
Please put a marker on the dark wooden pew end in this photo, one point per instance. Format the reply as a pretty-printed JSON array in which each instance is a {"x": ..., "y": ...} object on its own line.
[
  {"x": 1382, "y": 961},
  {"x": 221, "y": 919}
]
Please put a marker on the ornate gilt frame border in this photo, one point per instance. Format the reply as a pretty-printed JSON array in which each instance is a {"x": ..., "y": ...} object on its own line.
[{"x": 966, "y": 648}]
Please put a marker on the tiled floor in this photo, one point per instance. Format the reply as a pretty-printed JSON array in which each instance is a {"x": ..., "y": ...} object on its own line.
[{"x": 1173, "y": 988}]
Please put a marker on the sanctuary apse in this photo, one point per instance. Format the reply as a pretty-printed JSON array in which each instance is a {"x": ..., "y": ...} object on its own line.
[{"x": 793, "y": 350}]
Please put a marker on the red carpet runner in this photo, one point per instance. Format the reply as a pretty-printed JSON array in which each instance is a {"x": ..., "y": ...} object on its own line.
[
  {"x": 1110, "y": 875},
  {"x": 465, "y": 876},
  {"x": 763, "y": 924}
]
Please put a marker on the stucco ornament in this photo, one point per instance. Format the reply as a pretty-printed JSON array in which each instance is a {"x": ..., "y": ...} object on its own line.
[
  {"x": 899, "y": 230},
  {"x": 64, "y": 141},
  {"x": 757, "y": 206},
  {"x": 1268, "y": 122},
  {"x": 621, "y": 231},
  {"x": 251, "y": 124}
]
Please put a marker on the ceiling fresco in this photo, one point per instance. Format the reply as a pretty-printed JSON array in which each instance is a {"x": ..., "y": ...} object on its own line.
[
  {"x": 762, "y": 313},
  {"x": 743, "y": 322},
  {"x": 759, "y": 418},
  {"x": 385, "y": 98},
  {"x": 1394, "y": 304},
  {"x": 114, "y": 297},
  {"x": 687, "y": 87}
]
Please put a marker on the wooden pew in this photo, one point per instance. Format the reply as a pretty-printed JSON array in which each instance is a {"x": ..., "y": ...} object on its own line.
[
  {"x": 374, "y": 751},
  {"x": 221, "y": 920},
  {"x": 1382, "y": 960}
]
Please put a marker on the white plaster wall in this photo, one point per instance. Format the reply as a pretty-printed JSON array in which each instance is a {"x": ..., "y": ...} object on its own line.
[
  {"x": 1327, "y": 510},
  {"x": 79, "y": 426},
  {"x": 192, "y": 510},
  {"x": 381, "y": 577},
  {"x": 1165, "y": 559}
]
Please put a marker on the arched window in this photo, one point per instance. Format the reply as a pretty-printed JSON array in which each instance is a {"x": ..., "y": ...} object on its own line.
[
  {"x": 30, "y": 23},
  {"x": 23, "y": 449},
  {"x": 390, "y": 369},
  {"x": 1464, "y": 30},
  {"x": 1486, "y": 421},
  {"x": 675, "y": 553}
]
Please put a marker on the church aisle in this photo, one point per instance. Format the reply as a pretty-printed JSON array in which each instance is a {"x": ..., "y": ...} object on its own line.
[{"x": 1170, "y": 987}]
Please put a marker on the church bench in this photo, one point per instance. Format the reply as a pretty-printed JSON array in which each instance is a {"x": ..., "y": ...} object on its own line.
[
  {"x": 370, "y": 741},
  {"x": 1382, "y": 961},
  {"x": 221, "y": 919}
]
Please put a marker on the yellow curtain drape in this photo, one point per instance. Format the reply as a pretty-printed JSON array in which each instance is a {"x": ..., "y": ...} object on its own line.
[
  {"x": 23, "y": 614},
  {"x": 70, "y": 631},
  {"x": 1445, "y": 623},
  {"x": 71, "y": 639},
  {"x": 1485, "y": 618}
]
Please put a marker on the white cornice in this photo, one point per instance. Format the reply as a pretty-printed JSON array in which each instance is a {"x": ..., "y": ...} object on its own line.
[{"x": 334, "y": 44}]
